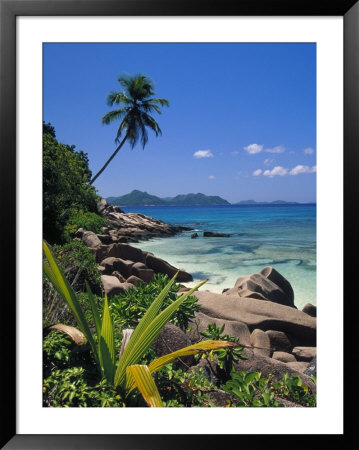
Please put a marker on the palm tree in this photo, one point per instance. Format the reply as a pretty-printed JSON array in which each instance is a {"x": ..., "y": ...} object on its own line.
[{"x": 137, "y": 102}]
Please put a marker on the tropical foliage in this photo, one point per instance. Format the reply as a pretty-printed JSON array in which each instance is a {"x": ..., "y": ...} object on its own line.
[
  {"x": 127, "y": 374},
  {"x": 128, "y": 308},
  {"x": 137, "y": 103},
  {"x": 66, "y": 187}
]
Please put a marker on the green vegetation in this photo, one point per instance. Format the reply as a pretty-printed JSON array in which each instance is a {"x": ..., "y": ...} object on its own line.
[
  {"x": 136, "y": 198},
  {"x": 127, "y": 309},
  {"x": 251, "y": 389},
  {"x": 80, "y": 266},
  {"x": 66, "y": 188},
  {"x": 89, "y": 221},
  {"x": 137, "y": 102},
  {"x": 128, "y": 374}
]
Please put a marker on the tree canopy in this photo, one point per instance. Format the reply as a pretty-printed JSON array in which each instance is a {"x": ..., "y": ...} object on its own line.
[
  {"x": 137, "y": 102},
  {"x": 66, "y": 188}
]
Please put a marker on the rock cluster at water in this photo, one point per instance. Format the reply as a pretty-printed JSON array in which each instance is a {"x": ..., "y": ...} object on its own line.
[
  {"x": 131, "y": 227},
  {"x": 259, "y": 309}
]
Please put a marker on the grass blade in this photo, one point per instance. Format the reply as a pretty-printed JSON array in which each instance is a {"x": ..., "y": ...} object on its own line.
[
  {"x": 200, "y": 347},
  {"x": 148, "y": 317},
  {"x": 95, "y": 314},
  {"x": 145, "y": 384},
  {"x": 141, "y": 344},
  {"x": 60, "y": 283},
  {"x": 106, "y": 343}
]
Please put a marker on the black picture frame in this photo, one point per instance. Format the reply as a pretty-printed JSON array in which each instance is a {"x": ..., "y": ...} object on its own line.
[{"x": 9, "y": 10}]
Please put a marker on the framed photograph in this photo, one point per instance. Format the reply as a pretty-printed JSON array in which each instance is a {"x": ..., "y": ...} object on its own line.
[{"x": 249, "y": 129}]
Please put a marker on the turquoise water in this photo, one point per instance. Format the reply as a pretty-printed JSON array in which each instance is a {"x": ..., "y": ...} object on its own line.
[{"x": 282, "y": 236}]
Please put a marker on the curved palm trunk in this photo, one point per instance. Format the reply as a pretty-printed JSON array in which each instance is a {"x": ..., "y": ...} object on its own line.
[{"x": 109, "y": 160}]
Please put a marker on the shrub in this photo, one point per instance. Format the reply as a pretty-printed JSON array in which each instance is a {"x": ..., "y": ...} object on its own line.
[
  {"x": 79, "y": 264},
  {"x": 128, "y": 308},
  {"x": 251, "y": 389},
  {"x": 127, "y": 374},
  {"x": 66, "y": 187},
  {"x": 224, "y": 357},
  {"x": 89, "y": 221}
]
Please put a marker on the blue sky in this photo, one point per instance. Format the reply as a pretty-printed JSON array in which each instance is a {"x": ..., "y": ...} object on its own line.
[{"x": 241, "y": 122}]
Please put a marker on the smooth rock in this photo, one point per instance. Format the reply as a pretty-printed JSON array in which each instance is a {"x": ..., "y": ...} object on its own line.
[
  {"x": 259, "y": 314},
  {"x": 284, "y": 357},
  {"x": 90, "y": 239},
  {"x": 304, "y": 353},
  {"x": 113, "y": 286},
  {"x": 280, "y": 341},
  {"x": 161, "y": 266},
  {"x": 79, "y": 233},
  {"x": 299, "y": 366},
  {"x": 105, "y": 238},
  {"x": 310, "y": 309},
  {"x": 135, "y": 280},
  {"x": 260, "y": 342},
  {"x": 140, "y": 270},
  {"x": 267, "y": 366},
  {"x": 267, "y": 285},
  {"x": 233, "y": 328},
  {"x": 171, "y": 339},
  {"x": 119, "y": 276}
]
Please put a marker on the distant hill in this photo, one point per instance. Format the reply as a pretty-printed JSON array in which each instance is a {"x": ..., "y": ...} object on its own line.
[
  {"x": 136, "y": 198},
  {"x": 197, "y": 199},
  {"x": 139, "y": 198}
]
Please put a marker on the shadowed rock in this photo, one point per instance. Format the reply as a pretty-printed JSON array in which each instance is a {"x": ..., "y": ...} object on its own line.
[
  {"x": 171, "y": 339},
  {"x": 267, "y": 285},
  {"x": 231, "y": 327},
  {"x": 161, "y": 266},
  {"x": 259, "y": 314}
]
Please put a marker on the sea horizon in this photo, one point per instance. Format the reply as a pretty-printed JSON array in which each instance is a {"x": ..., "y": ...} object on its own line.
[{"x": 279, "y": 235}]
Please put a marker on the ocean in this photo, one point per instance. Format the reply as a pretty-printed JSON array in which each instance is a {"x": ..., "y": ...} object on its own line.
[{"x": 281, "y": 236}]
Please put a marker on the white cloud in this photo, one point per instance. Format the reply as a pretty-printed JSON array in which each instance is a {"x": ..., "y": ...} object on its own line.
[
  {"x": 203, "y": 154},
  {"x": 253, "y": 148},
  {"x": 302, "y": 169},
  {"x": 211, "y": 177},
  {"x": 257, "y": 172},
  {"x": 276, "y": 171},
  {"x": 268, "y": 161},
  {"x": 277, "y": 149},
  {"x": 308, "y": 151}
]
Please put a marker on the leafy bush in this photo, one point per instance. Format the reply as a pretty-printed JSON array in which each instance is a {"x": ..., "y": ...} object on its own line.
[
  {"x": 70, "y": 388},
  {"x": 251, "y": 389},
  {"x": 128, "y": 308},
  {"x": 183, "y": 389},
  {"x": 66, "y": 187},
  {"x": 127, "y": 374},
  {"x": 79, "y": 264},
  {"x": 224, "y": 357},
  {"x": 89, "y": 221}
]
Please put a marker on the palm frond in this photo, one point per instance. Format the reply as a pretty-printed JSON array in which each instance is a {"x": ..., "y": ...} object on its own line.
[
  {"x": 151, "y": 123},
  {"x": 117, "y": 98},
  {"x": 113, "y": 115}
]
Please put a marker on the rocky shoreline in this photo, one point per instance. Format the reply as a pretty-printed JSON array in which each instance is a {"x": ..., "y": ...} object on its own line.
[{"x": 259, "y": 309}]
